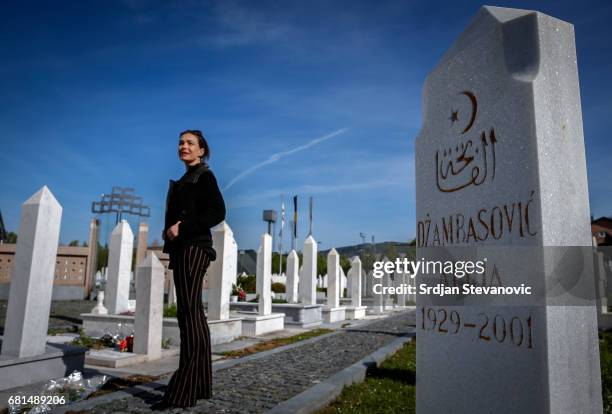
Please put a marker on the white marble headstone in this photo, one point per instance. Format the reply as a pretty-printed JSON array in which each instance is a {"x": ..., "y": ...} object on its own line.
[
  {"x": 500, "y": 162},
  {"x": 354, "y": 276},
  {"x": 307, "y": 287},
  {"x": 29, "y": 303},
  {"x": 221, "y": 272},
  {"x": 333, "y": 279},
  {"x": 264, "y": 275},
  {"x": 291, "y": 286},
  {"x": 119, "y": 268},
  {"x": 149, "y": 315}
]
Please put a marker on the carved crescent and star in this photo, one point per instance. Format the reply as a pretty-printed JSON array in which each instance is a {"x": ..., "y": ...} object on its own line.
[
  {"x": 455, "y": 112},
  {"x": 473, "y": 161}
]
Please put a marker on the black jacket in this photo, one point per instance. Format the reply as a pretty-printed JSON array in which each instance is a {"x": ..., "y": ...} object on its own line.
[{"x": 196, "y": 201}]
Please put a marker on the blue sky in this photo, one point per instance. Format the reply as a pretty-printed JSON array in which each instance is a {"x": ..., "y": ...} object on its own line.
[{"x": 95, "y": 93}]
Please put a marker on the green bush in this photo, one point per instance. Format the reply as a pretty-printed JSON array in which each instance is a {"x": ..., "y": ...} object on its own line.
[
  {"x": 248, "y": 283},
  {"x": 278, "y": 287},
  {"x": 170, "y": 311},
  {"x": 85, "y": 340}
]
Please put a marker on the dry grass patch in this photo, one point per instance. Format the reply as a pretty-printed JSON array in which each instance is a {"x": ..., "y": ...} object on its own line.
[{"x": 275, "y": 343}]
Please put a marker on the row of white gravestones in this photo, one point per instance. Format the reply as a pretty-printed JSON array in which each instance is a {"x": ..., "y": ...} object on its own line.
[
  {"x": 333, "y": 311},
  {"x": 322, "y": 282},
  {"x": 502, "y": 144}
]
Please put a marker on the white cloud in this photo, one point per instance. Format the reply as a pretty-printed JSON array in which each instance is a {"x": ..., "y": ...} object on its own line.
[{"x": 277, "y": 156}]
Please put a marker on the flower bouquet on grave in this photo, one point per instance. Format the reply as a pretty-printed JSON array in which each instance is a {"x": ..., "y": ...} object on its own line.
[
  {"x": 130, "y": 342},
  {"x": 57, "y": 392},
  {"x": 107, "y": 341},
  {"x": 237, "y": 293},
  {"x": 121, "y": 346}
]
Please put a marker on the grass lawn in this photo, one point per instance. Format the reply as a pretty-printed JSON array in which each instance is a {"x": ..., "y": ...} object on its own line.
[
  {"x": 275, "y": 343},
  {"x": 605, "y": 355},
  {"x": 389, "y": 388}
]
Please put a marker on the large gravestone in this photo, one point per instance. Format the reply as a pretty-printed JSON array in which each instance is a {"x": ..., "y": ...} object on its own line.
[
  {"x": 26, "y": 356},
  {"x": 500, "y": 162},
  {"x": 29, "y": 302}
]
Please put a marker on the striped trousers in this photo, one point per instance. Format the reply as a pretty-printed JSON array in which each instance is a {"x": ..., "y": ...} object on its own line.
[{"x": 193, "y": 379}]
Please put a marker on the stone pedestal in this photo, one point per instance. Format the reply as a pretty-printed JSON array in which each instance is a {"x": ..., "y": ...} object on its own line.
[
  {"x": 356, "y": 312},
  {"x": 56, "y": 361},
  {"x": 220, "y": 331},
  {"x": 331, "y": 315},
  {"x": 254, "y": 324},
  {"x": 296, "y": 314}
]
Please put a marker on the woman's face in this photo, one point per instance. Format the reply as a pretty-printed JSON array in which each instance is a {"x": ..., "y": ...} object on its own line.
[{"x": 189, "y": 150}]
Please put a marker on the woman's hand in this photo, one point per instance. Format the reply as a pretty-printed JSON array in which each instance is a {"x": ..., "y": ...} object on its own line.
[{"x": 173, "y": 231}]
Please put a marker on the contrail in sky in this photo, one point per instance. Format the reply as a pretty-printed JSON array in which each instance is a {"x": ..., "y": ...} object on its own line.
[{"x": 275, "y": 157}]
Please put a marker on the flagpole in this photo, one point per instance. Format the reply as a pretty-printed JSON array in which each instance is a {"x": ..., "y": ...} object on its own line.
[
  {"x": 280, "y": 243},
  {"x": 310, "y": 217},
  {"x": 294, "y": 235}
]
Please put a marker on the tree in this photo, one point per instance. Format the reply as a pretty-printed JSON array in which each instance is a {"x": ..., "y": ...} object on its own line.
[
  {"x": 102, "y": 256},
  {"x": 276, "y": 263},
  {"x": 74, "y": 243},
  {"x": 391, "y": 252},
  {"x": 11, "y": 237},
  {"x": 367, "y": 259},
  {"x": 345, "y": 264},
  {"x": 321, "y": 264}
]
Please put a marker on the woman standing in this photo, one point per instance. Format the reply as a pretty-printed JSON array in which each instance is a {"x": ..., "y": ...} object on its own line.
[{"x": 193, "y": 205}]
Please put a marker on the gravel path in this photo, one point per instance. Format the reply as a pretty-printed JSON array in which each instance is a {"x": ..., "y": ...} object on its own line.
[{"x": 64, "y": 313}]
